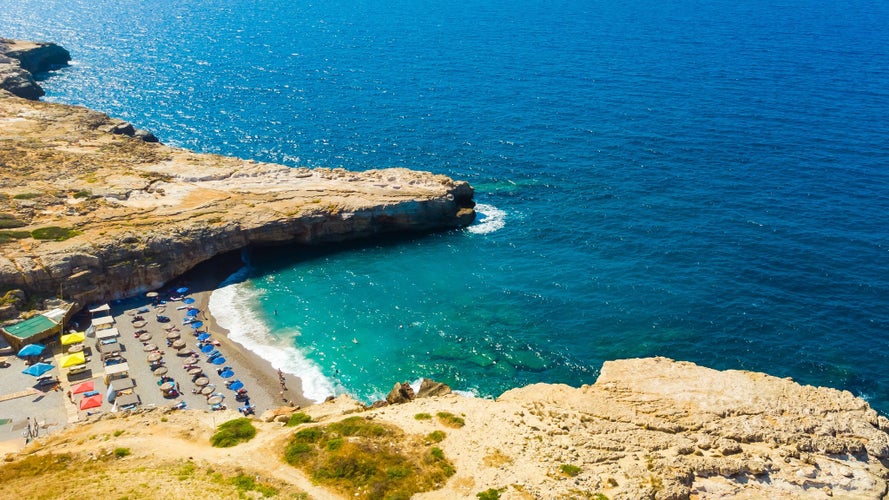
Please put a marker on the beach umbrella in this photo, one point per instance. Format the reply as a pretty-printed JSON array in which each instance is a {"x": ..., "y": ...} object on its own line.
[
  {"x": 155, "y": 356},
  {"x": 203, "y": 336},
  {"x": 73, "y": 359},
  {"x": 73, "y": 338},
  {"x": 215, "y": 399},
  {"x": 31, "y": 350},
  {"x": 38, "y": 369},
  {"x": 91, "y": 402},
  {"x": 207, "y": 348},
  {"x": 160, "y": 370},
  {"x": 188, "y": 300},
  {"x": 151, "y": 294},
  {"x": 192, "y": 312},
  {"x": 226, "y": 374},
  {"x": 237, "y": 384},
  {"x": 197, "y": 324},
  {"x": 218, "y": 360},
  {"x": 87, "y": 386},
  {"x": 178, "y": 344},
  {"x": 182, "y": 290}
]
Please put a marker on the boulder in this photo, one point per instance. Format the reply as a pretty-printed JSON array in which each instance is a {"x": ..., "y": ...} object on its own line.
[
  {"x": 400, "y": 393},
  {"x": 430, "y": 388}
]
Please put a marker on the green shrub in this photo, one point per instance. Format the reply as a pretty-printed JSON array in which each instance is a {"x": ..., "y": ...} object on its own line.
[
  {"x": 450, "y": 420},
  {"x": 54, "y": 233},
  {"x": 8, "y": 221},
  {"x": 364, "y": 459},
  {"x": 246, "y": 483},
  {"x": 357, "y": 426},
  {"x": 489, "y": 494},
  {"x": 13, "y": 235},
  {"x": 422, "y": 416},
  {"x": 436, "y": 436},
  {"x": 233, "y": 432},
  {"x": 83, "y": 194},
  {"x": 298, "y": 418},
  {"x": 121, "y": 452},
  {"x": 26, "y": 196},
  {"x": 569, "y": 470}
]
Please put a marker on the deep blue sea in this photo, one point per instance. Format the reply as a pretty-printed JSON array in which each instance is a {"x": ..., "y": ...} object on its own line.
[{"x": 703, "y": 180}]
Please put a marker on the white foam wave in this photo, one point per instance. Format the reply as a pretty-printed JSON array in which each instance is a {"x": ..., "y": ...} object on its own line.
[
  {"x": 489, "y": 219},
  {"x": 231, "y": 307}
]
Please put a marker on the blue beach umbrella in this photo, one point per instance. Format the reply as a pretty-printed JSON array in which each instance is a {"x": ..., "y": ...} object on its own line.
[
  {"x": 188, "y": 300},
  {"x": 182, "y": 290},
  {"x": 192, "y": 312},
  {"x": 204, "y": 336},
  {"x": 197, "y": 324},
  {"x": 38, "y": 369},
  {"x": 207, "y": 348},
  {"x": 31, "y": 350},
  {"x": 237, "y": 384},
  {"x": 227, "y": 374},
  {"x": 218, "y": 360}
]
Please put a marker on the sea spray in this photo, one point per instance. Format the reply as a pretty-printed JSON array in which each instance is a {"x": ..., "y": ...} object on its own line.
[
  {"x": 488, "y": 220},
  {"x": 232, "y": 305}
]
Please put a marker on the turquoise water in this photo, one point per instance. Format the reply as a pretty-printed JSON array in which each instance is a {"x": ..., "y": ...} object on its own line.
[{"x": 700, "y": 180}]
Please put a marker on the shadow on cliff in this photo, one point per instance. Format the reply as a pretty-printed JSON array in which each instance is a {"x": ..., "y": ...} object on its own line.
[{"x": 207, "y": 275}]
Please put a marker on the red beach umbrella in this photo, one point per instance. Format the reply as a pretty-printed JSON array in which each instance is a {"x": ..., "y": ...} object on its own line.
[
  {"x": 83, "y": 387},
  {"x": 91, "y": 402}
]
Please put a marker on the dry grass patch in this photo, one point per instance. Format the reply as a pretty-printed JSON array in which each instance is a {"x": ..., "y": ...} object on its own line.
[{"x": 367, "y": 460}]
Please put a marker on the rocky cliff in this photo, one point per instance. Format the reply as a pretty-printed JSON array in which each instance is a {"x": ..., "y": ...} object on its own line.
[
  {"x": 648, "y": 428},
  {"x": 20, "y": 59},
  {"x": 92, "y": 208}
]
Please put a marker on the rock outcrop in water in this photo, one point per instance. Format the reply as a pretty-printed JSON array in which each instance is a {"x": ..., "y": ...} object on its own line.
[
  {"x": 91, "y": 208},
  {"x": 20, "y": 59}
]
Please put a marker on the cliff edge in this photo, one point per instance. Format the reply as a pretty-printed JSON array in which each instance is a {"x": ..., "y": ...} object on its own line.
[
  {"x": 93, "y": 209},
  {"x": 648, "y": 428}
]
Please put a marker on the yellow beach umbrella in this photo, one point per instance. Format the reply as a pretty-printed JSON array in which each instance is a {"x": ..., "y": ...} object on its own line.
[
  {"x": 73, "y": 338},
  {"x": 73, "y": 359}
]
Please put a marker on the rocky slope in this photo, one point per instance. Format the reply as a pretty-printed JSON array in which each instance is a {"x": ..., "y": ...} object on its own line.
[
  {"x": 92, "y": 207},
  {"x": 648, "y": 428}
]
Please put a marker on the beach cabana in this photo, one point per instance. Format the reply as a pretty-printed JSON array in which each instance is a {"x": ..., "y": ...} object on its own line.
[
  {"x": 31, "y": 350},
  {"x": 87, "y": 386},
  {"x": 116, "y": 371},
  {"x": 107, "y": 333},
  {"x": 73, "y": 338},
  {"x": 73, "y": 359},
  {"x": 91, "y": 402},
  {"x": 37, "y": 370}
]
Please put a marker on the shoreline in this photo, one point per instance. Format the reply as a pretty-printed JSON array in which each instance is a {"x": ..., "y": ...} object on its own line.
[{"x": 206, "y": 278}]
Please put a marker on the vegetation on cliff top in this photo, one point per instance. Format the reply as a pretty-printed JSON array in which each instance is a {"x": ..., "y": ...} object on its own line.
[{"x": 364, "y": 459}]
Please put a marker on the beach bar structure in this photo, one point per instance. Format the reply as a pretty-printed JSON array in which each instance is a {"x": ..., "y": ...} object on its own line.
[
  {"x": 113, "y": 372},
  {"x": 37, "y": 328}
]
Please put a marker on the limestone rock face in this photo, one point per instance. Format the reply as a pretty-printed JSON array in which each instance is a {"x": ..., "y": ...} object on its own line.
[
  {"x": 19, "y": 59},
  {"x": 91, "y": 211},
  {"x": 35, "y": 56},
  {"x": 658, "y": 428}
]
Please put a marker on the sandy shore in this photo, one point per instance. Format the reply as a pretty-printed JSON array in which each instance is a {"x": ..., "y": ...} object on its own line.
[{"x": 203, "y": 280}]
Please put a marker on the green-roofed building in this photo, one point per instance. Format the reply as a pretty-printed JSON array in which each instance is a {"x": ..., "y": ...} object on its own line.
[{"x": 35, "y": 329}]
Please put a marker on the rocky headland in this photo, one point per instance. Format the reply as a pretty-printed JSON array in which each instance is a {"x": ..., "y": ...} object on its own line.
[{"x": 94, "y": 208}]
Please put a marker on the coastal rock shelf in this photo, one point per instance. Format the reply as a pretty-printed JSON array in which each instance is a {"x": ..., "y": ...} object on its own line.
[{"x": 92, "y": 210}]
